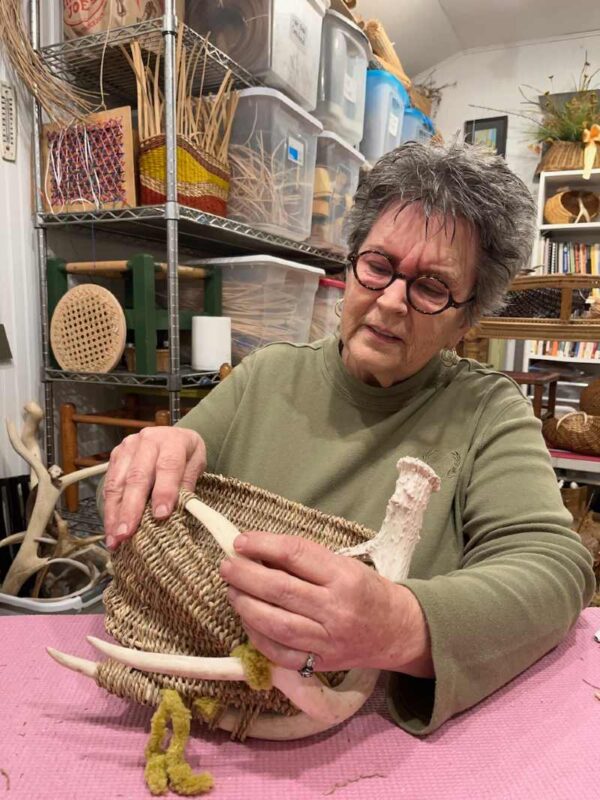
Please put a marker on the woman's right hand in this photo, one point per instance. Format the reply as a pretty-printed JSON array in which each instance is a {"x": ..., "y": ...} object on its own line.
[{"x": 157, "y": 462}]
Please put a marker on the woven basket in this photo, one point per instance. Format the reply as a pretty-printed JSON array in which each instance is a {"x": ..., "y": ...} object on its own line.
[
  {"x": 202, "y": 181},
  {"x": 564, "y": 155},
  {"x": 540, "y": 303},
  {"x": 167, "y": 595},
  {"x": 578, "y": 432},
  {"x": 589, "y": 400},
  {"x": 567, "y": 206}
]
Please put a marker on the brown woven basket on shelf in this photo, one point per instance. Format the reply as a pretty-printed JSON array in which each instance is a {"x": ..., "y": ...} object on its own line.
[
  {"x": 564, "y": 155},
  {"x": 541, "y": 303},
  {"x": 589, "y": 399},
  {"x": 578, "y": 432},
  {"x": 167, "y": 595},
  {"x": 202, "y": 181},
  {"x": 568, "y": 206}
]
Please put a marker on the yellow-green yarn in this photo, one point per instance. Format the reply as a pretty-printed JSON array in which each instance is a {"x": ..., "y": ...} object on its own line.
[
  {"x": 207, "y": 707},
  {"x": 257, "y": 668},
  {"x": 170, "y": 768}
]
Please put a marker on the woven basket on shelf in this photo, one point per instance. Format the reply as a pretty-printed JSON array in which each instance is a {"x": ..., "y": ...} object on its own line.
[
  {"x": 589, "y": 399},
  {"x": 202, "y": 181},
  {"x": 578, "y": 432},
  {"x": 567, "y": 206},
  {"x": 564, "y": 155},
  {"x": 167, "y": 595},
  {"x": 540, "y": 303}
]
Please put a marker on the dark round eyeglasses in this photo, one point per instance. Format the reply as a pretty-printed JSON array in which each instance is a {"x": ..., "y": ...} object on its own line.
[{"x": 427, "y": 294}]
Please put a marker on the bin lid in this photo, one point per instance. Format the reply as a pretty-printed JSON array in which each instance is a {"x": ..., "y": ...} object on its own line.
[
  {"x": 387, "y": 77},
  {"x": 263, "y": 91},
  {"x": 347, "y": 147},
  {"x": 420, "y": 116},
  {"x": 271, "y": 260},
  {"x": 364, "y": 39},
  {"x": 332, "y": 282},
  {"x": 320, "y": 5}
]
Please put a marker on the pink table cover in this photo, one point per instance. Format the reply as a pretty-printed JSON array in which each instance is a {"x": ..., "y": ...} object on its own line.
[{"x": 63, "y": 737}]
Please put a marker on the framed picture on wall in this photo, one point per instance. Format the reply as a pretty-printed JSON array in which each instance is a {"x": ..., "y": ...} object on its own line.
[{"x": 490, "y": 132}]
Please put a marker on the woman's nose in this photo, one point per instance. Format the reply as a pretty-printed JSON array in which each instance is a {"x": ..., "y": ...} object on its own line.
[{"x": 395, "y": 297}]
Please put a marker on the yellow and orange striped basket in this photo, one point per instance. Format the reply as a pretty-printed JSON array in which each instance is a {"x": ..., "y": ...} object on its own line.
[{"x": 202, "y": 181}]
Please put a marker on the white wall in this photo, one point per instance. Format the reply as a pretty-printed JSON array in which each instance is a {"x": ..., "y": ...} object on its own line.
[{"x": 492, "y": 76}]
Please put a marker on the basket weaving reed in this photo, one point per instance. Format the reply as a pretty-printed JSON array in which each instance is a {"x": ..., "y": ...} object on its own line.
[
  {"x": 167, "y": 595},
  {"x": 566, "y": 207},
  {"x": 589, "y": 399},
  {"x": 202, "y": 180},
  {"x": 578, "y": 432}
]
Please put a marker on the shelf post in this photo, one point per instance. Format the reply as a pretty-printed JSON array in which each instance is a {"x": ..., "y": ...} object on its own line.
[
  {"x": 41, "y": 245},
  {"x": 169, "y": 31}
]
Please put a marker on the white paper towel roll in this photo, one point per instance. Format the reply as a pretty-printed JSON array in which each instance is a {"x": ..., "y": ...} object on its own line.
[{"x": 211, "y": 342}]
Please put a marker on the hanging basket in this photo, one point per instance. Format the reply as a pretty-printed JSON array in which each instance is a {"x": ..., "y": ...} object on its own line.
[
  {"x": 567, "y": 206},
  {"x": 578, "y": 432},
  {"x": 564, "y": 155},
  {"x": 202, "y": 181}
]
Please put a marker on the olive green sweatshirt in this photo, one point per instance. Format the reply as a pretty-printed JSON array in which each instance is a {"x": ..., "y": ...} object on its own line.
[{"x": 498, "y": 573}]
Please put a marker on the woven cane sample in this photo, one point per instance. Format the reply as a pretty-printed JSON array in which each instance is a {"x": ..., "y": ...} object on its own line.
[
  {"x": 167, "y": 595},
  {"x": 89, "y": 166},
  {"x": 88, "y": 330}
]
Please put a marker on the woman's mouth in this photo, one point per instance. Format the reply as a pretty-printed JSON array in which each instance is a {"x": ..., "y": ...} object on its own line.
[{"x": 381, "y": 334}]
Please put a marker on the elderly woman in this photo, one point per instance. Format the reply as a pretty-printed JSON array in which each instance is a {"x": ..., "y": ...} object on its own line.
[{"x": 436, "y": 235}]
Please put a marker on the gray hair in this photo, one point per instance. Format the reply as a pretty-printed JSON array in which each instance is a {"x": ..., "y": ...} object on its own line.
[{"x": 455, "y": 181}]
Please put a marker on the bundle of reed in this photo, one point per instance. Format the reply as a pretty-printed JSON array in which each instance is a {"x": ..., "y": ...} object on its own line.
[
  {"x": 61, "y": 102},
  {"x": 384, "y": 50},
  {"x": 266, "y": 191},
  {"x": 202, "y": 125}
]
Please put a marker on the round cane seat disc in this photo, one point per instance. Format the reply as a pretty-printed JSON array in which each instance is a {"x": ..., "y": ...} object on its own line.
[{"x": 88, "y": 330}]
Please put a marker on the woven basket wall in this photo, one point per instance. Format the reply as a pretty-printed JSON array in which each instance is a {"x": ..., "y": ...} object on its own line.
[
  {"x": 167, "y": 595},
  {"x": 564, "y": 155},
  {"x": 589, "y": 400},
  {"x": 578, "y": 432},
  {"x": 202, "y": 181},
  {"x": 563, "y": 207}
]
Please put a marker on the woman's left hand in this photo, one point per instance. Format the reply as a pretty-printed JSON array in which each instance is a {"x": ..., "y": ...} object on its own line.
[{"x": 305, "y": 599}]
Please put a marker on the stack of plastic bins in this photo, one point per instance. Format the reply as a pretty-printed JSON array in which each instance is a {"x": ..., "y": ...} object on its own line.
[
  {"x": 384, "y": 114},
  {"x": 268, "y": 299},
  {"x": 417, "y": 127},
  {"x": 278, "y": 41},
  {"x": 336, "y": 178},
  {"x": 272, "y": 160},
  {"x": 325, "y": 319},
  {"x": 345, "y": 54}
]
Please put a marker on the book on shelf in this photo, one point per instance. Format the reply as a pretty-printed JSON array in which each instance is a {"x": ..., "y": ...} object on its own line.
[
  {"x": 560, "y": 349},
  {"x": 568, "y": 258}
]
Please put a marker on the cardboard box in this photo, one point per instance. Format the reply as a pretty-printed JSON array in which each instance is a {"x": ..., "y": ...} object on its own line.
[{"x": 84, "y": 17}]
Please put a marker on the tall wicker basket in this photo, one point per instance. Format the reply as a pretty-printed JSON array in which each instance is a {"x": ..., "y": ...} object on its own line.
[{"x": 202, "y": 181}]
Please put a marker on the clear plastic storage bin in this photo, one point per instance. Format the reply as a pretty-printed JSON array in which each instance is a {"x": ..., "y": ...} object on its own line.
[
  {"x": 417, "y": 127},
  {"x": 276, "y": 40},
  {"x": 268, "y": 299},
  {"x": 336, "y": 179},
  {"x": 272, "y": 159},
  {"x": 342, "y": 77},
  {"x": 325, "y": 320},
  {"x": 384, "y": 114}
]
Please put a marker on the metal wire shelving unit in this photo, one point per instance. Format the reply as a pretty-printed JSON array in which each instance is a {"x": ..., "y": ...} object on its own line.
[{"x": 95, "y": 61}]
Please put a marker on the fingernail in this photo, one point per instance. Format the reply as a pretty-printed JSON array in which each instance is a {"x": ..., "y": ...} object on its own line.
[
  {"x": 240, "y": 542},
  {"x": 161, "y": 511},
  {"x": 122, "y": 530}
]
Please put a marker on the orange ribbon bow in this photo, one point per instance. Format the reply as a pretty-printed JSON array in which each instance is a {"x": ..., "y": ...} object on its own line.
[{"x": 590, "y": 138}]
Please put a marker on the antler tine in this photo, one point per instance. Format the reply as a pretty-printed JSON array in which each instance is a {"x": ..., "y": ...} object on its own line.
[
  {"x": 29, "y": 455},
  {"x": 82, "y": 665},
  {"x": 29, "y": 433}
]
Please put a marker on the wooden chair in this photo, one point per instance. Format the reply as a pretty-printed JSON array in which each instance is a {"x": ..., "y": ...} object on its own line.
[{"x": 539, "y": 381}]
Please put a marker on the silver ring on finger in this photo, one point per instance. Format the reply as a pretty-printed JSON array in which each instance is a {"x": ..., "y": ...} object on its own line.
[{"x": 308, "y": 670}]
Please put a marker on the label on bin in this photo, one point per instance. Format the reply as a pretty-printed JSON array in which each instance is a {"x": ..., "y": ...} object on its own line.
[
  {"x": 350, "y": 88},
  {"x": 295, "y": 150},
  {"x": 393, "y": 125},
  {"x": 298, "y": 30}
]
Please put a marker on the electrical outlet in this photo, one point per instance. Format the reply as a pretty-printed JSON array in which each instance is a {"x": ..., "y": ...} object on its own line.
[{"x": 8, "y": 115}]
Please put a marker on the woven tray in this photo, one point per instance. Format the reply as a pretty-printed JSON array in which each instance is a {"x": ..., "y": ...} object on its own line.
[{"x": 88, "y": 330}]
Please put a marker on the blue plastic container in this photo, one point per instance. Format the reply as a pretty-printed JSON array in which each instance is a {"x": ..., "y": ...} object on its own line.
[
  {"x": 384, "y": 114},
  {"x": 417, "y": 126}
]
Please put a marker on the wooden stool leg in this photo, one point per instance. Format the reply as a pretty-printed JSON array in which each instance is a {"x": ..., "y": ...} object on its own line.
[
  {"x": 552, "y": 398},
  {"x": 538, "y": 392},
  {"x": 162, "y": 417},
  {"x": 68, "y": 454}
]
